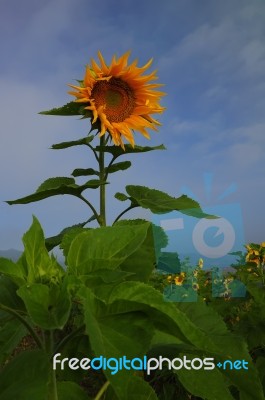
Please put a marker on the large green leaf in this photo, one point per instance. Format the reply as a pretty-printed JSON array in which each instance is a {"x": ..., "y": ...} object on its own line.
[
  {"x": 163, "y": 314},
  {"x": 160, "y": 203},
  {"x": 69, "y": 236},
  {"x": 36, "y": 254},
  {"x": 8, "y": 295},
  {"x": 103, "y": 277},
  {"x": 13, "y": 270},
  {"x": 205, "y": 384},
  {"x": 58, "y": 186},
  {"x": 65, "y": 145},
  {"x": 105, "y": 247},
  {"x": 135, "y": 388},
  {"x": 169, "y": 262},
  {"x": 85, "y": 172},
  {"x": 189, "y": 323},
  {"x": 71, "y": 391},
  {"x": 119, "y": 166},
  {"x": 25, "y": 377},
  {"x": 141, "y": 262},
  {"x": 11, "y": 333},
  {"x": 48, "y": 307},
  {"x": 69, "y": 109},
  {"x": 56, "y": 240},
  {"x": 117, "y": 151},
  {"x": 40, "y": 266},
  {"x": 51, "y": 187},
  {"x": 115, "y": 331}
]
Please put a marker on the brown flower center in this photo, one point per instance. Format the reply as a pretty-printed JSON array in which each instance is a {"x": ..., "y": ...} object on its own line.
[{"x": 116, "y": 96}]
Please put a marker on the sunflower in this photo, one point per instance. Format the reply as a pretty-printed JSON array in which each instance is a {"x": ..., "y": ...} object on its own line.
[{"x": 121, "y": 97}]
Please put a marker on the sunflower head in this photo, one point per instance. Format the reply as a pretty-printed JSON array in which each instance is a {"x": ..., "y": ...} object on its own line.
[{"x": 121, "y": 97}]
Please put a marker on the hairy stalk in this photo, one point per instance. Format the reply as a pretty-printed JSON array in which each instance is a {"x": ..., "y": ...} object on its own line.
[
  {"x": 94, "y": 151},
  {"x": 68, "y": 337},
  {"x": 111, "y": 162},
  {"x": 25, "y": 323},
  {"x": 124, "y": 211},
  {"x": 90, "y": 206},
  {"x": 102, "y": 390},
  {"x": 102, "y": 188},
  {"x": 49, "y": 345}
]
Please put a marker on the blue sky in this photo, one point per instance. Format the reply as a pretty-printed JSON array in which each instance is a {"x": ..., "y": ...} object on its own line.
[{"x": 209, "y": 54}]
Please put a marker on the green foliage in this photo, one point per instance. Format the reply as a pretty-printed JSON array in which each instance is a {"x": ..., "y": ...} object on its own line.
[
  {"x": 120, "y": 166},
  {"x": 47, "y": 306},
  {"x": 70, "y": 390},
  {"x": 111, "y": 301},
  {"x": 11, "y": 333},
  {"x": 25, "y": 377},
  {"x": 117, "y": 151},
  {"x": 58, "y": 186},
  {"x": 84, "y": 172},
  {"x": 65, "y": 145},
  {"x": 161, "y": 203},
  {"x": 69, "y": 109},
  {"x": 104, "y": 295}
]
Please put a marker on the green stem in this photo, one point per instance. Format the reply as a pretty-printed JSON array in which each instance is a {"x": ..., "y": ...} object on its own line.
[
  {"x": 25, "y": 323},
  {"x": 124, "y": 211},
  {"x": 94, "y": 151},
  {"x": 49, "y": 345},
  {"x": 91, "y": 207},
  {"x": 102, "y": 187},
  {"x": 102, "y": 390},
  {"x": 67, "y": 338},
  {"x": 111, "y": 162}
]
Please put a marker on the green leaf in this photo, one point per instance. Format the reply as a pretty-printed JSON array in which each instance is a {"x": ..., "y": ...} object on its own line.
[
  {"x": 230, "y": 347},
  {"x": 26, "y": 377},
  {"x": 160, "y": 203},
  {"x": 160, "y": 238},
  {"x": 120, "y": 166},
  {"x": 58, "y": 186},
  {"x": 68, "y": 109},
  {"x": 69, "y": 236},
  {"x": 105, "y": 247},
  {"x": 104, "y": 276},
  {"x": 48, "y": 307},
  {"x": 260, "y": 364},
  {"x": 114, "y": 331},
  {"x": 117, "y": 151},
  {"x": 169, "y": 262},
  {"x": 13, "y": 270},
  {"x": 149, "y": 300},
  {"x": 205, "y": 384},
  {"x": 183, "y": 321},
  {"x": 11, "y": 333},
  {"x": 40, "y": 267},
  {"x": 71, "y": 391},
  {"x": 93, "y": 184},
  {"x": 8, "y": 295},
  {"x": 64, "y": 145},
  {"x": 204, "y": 317},
  {"x": 141, "y": 262},
  {"x": 84, "y": 172},
  {"x": 52, "y": 187},
  {"x": 136, "y": 389},
  {"x": 56, "y": 240},
  {"x": 121, "y": 196}
]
